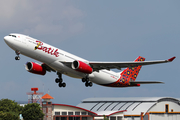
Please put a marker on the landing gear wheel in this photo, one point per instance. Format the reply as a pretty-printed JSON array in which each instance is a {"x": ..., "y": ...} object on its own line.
[
  {"x": 62, "y": 84},
  {"x": 90, "y": 84},
  {"x": 60, "y": 80},
  {"x": 86, "y": 84},
  {"x": 86, "y": 79},
  {"x": 17, "y": 53},
  {"x": 57, "y": 80},
  {"x": 17, "y": 58},
  {"x": 83, "y": 79}
]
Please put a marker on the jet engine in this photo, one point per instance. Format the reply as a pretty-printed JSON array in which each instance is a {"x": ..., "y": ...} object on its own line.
[
  {"x": 82, "y": 67},
  {"x": 35, "y": 68}
]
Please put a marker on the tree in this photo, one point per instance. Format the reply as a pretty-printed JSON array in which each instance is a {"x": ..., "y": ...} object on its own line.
[
  {"x": 9, "y": 110},
  {"x": 105, "y": 118},
  {"x": 32, "y": 112},
  {"x": 9, "y": 116}
]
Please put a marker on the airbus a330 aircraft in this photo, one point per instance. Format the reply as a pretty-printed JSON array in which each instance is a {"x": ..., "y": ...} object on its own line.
[{"x": 57, "y": 60}]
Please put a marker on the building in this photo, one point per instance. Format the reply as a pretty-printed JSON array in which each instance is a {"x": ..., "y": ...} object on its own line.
[
  {"x": 69, "y": 112},
  {"x": 150, "y": 108},
  {"x": 47, "y": 107},
  {"x": 129, "y": 108}
]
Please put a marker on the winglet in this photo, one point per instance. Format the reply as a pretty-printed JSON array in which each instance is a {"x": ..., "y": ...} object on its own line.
[{"x": 171, "y": 59}]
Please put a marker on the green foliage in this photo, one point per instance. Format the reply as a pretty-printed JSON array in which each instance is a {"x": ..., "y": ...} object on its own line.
[
  {"x": 9, "y": 110},
  {"x": 105, "y": 118},
  {"x": 9, "y": 116},
  {"x": 32, "y": 112}
]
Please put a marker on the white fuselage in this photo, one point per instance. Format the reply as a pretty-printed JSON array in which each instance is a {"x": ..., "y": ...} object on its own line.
[{"x": 54, "y": 58}]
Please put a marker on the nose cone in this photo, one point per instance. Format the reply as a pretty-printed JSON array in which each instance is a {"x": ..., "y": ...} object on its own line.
[
  {"x": 8, "y": 40},
  {"x": 5, "y": 38}
]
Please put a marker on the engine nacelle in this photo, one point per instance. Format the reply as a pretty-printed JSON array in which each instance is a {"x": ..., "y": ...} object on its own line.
[
  {"x": 82, "y": 67},
  {"x": 35, "y": 68}
]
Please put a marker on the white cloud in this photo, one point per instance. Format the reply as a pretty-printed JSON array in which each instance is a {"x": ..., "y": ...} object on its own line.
[{"x": 44, "y": 17}]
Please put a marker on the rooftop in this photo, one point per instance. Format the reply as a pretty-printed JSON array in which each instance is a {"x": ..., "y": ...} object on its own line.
[
  {"x": 132, "y": 105},
  {"x": 47, "y": 96}
]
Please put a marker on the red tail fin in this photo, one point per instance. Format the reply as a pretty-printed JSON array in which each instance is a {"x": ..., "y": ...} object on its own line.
[{"x": 130, "y": 74}]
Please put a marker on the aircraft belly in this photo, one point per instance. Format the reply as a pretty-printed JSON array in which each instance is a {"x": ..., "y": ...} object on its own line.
[
  {"x": 103, "y": 78},
  {"x": 60, "y": 67}
]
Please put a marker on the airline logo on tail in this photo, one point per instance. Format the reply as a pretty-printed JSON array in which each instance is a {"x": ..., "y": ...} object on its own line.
[{"x": 128, "y": 75}]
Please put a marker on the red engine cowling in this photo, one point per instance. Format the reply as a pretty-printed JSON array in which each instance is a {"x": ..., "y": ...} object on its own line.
[
  {"x": 82, "y": 67},
  {"x": 35, "y": 68}
]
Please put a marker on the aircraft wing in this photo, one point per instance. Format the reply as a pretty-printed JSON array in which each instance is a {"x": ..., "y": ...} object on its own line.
[{"x": 111, "y": 65}]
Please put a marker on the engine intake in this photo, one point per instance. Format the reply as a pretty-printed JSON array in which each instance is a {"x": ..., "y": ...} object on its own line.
[
  {"x": 82, "y": 67},
  {"x": 35, "y": 68}
]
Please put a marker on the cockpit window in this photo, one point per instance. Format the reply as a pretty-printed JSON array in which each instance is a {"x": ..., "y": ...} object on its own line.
[{"x": 13, "y": 36}]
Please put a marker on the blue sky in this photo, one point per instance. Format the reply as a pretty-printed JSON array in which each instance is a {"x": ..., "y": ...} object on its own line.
[{"x": 100, "y": 30}]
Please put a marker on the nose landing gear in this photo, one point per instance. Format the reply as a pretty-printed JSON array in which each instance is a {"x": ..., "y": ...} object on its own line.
[
  {"x": 17, "y": 57},
  {"x": 60, "y": 80}
]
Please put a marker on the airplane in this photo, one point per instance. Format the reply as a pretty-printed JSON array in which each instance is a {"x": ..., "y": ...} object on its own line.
[{"x": 62, "y": 62}]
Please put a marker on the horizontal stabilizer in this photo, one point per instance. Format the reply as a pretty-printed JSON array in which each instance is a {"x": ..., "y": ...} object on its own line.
[{"x": 144, "y": 82}]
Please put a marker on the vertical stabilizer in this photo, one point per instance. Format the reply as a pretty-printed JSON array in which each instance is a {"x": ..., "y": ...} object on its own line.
[{"x": 130, "y": 73}]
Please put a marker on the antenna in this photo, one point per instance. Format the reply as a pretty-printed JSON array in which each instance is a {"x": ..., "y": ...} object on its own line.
[{"x": 34, "y": 97}]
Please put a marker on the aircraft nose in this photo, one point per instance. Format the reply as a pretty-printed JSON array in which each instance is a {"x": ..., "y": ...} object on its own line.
[{"x": 6, "y": 38}]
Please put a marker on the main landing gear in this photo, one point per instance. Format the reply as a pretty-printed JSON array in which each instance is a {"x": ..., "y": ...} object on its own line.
[
  {"x": 87, "y": 82},
  {"x": 17, "y": 57},
  {"x": 60, "y": 80}
]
